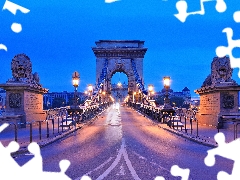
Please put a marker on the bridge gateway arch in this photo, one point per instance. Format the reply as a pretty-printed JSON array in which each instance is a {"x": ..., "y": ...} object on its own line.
[{"x": 119, "y": 56}]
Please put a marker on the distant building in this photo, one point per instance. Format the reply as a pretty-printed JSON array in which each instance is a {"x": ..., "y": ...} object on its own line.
[
  {"x": 185, "y": 94},
  {"x": 2, "y": 98},
  {"x": 68, "y": 97},
  {"x": 119, "y": 91}
]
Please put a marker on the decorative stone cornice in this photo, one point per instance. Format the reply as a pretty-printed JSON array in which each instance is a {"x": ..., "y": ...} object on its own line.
[
  {"x": 21, "y": 86},
  {"x": 208, "y": 89},
  {"x": 119, "y": 52}
]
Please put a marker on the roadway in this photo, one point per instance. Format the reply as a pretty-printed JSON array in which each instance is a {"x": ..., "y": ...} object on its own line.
[{"x": 125, "y": 145}]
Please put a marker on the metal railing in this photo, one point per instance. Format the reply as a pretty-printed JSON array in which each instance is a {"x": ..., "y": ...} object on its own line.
[
  {"x": 58, "y": 121},
  {"x": 155, "y": 113}
]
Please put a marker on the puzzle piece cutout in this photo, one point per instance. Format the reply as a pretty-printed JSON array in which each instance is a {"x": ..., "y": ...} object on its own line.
[
  {"x": 236, "y": 16},
  {"x": 159, "y": 178},
  {"x": 177, "y": 171},
  {"x": 226, "y": 150},
  {"x": 182, "y": 7},
  {"x": 33, "y": 169},
  {"x": 2, "y": 46},
  {"x": 222, "y": 51},
  {"x": 7, "y": 163},
  {"x": 86, "y": 178},
  {"x": 3, "y": 126},
  {"x": 12, "y": 7},
  {"x": 111, "y": 1}
]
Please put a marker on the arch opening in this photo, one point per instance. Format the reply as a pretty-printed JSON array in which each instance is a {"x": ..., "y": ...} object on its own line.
[{"x": 119, "y": 86}]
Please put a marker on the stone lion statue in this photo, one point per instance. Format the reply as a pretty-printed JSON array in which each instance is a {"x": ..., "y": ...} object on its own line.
[
  {"x": 221, "y": 72},
  {"x": 21, "y": 67}
]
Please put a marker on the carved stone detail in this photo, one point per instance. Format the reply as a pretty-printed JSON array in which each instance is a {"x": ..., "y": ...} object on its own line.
[
  {"x": 221, "y": 73},
  {"x": 15, "y": 100},
  {"x": 227, "y": 101},
  {"x": 111, "y": 53},
  {"x": 21, "y": 67}
]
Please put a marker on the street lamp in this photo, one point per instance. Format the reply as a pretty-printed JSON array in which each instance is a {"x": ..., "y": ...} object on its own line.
[
  {"x": 75, "y": 81},
  {"x": 167, "y": 108},
  {"x": 166, "y": 82},
  {"x": 150, "y": 90},
  {"x": 90, "y": 90},
  {"x": 134, "y": 93},
  {"x": 103, "y": 96},
  {"x": 119, "y": 84}
]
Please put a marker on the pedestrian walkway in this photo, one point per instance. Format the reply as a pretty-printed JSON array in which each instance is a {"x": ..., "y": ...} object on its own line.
[
  {"x": 199, "y": 133},
  {"x": 202, "y": 134},
  {"x": 43, "y": 138}
]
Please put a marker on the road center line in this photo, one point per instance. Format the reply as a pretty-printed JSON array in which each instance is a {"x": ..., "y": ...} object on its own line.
[
  {"x": 113, "y": 165},
  {"x": 128, "y": 162},
  {"x": 99, "y": 167},
  {"x": 141, "y": 157},
  {"x": 122, "y": 152}
]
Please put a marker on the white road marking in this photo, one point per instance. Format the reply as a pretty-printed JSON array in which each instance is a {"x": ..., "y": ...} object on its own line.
[
  {"x": 115, "y": 119},
  {"x": 122, "y": 171},
  {"x": 141, "y": 157},
  {"x": 99, "y": 167},
  {"x": 122, "y": 152}
]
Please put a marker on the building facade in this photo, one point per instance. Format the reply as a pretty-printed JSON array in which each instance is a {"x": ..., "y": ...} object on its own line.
[
  {"x": 185, "y": 94},
  {"x": 119, "y": 91},
  {"x": 66, "y": 97},
  {"x": 2, "y": 98}
]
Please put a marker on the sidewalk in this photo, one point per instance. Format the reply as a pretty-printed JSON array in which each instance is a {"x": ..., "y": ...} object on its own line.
[
  {"x": 46, "y": 137},
  {"x": 205, "y": 134}
]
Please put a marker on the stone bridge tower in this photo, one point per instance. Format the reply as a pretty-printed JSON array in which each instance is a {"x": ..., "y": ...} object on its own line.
[{"x": 119, "y": 56}]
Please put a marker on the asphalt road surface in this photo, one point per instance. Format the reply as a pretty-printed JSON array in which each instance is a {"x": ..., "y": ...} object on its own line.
[{"x": 122, "y": 144}]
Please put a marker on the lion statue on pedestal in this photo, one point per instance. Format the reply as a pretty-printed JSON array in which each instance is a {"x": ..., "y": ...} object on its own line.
[
  {"x": 21, "y": 67},
  {"x": 221, "y": 72}
]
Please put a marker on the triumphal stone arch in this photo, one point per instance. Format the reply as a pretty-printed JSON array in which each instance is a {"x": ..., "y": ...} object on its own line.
[{"x": 119, "y": 56}]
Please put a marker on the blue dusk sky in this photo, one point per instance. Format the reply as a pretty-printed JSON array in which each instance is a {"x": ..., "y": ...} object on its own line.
[{"x": 58, "y": 35}]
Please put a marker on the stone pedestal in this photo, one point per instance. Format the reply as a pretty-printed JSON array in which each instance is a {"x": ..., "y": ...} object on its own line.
[
  {"x": 25, "y": 100},
  {"x": 24, "y": 93},
  {"x": 219, "y": 93},
  {"x": 217, "y": 101}
]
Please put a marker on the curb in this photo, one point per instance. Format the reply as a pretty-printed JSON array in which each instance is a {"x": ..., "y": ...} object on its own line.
[{"x": 189, "y": 137}]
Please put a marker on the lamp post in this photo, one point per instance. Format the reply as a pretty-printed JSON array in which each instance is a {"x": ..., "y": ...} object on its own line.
[
  {"x": 166, "y": 82},
  {"x": 90, "y": 90},
  {"x": 140, "y": 96},
  {"x": 150, "y": 91},
  {"x": 167, "y": 108},
  {"x": 75, "y": 81},
  {"x": 134, "y": 93},
  {"x": 103, "y": 95}
]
